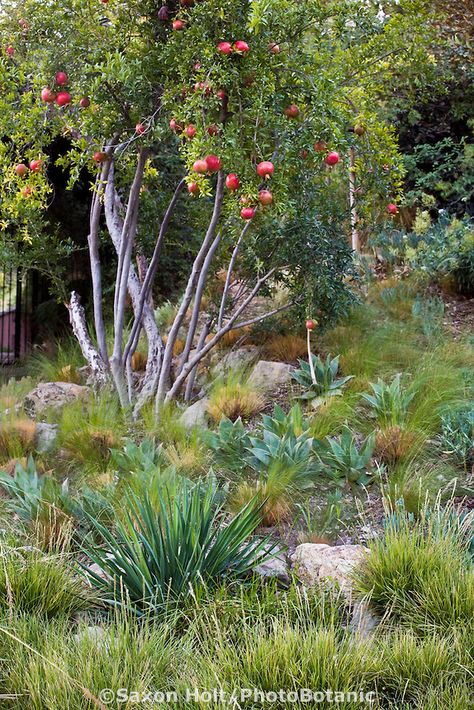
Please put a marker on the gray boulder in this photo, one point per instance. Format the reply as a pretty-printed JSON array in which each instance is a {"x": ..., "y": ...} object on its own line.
[
  {"x": 270, "y": 376},
  {"x": 324, "y": 563},
  {"x": 275, "y": 567},
  {"x": 237, "y": 359},
  {"x": 46, "y": 435},
  {"x": 314, "y": 563},
  {"x": 53, "y": 395},
  {"x": 196, "y": 414}
]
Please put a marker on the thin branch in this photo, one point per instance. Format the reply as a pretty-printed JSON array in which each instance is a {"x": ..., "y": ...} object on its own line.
[
  {"x": 151, "y": 272},
  {"x": 192, "y": 375},
  {"x": 198, "y": 299},
  {"x": 77, "y": 318},
  {"x": 268, "y": 314},
  {"x": 193, "y": 278},
  {"x": 229, "y": 273},
  {"x": 220, "y": 334},
  {"x": 367, "y": 65},
  {"x": 123, "y": 269},
  {"x": 155, "y": 343},
  {"x": 352, "y": 200},
  {"x": 94, "y": 253}
]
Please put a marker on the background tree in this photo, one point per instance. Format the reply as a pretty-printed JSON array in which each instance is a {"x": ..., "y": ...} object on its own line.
[
  {"x": 434, "y": 118},
  {"x": 215, "y": 112}
]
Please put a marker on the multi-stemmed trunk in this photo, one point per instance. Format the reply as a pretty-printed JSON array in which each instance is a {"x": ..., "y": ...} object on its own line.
[{"x": 160, "y": 380}]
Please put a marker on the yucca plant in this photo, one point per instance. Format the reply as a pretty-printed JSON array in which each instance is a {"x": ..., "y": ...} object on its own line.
[
  {"x": 389, "y": 402},
  {"x": 324, "y": 384},
  {"x": 155, "y": 556},
  {"x": 345, "y": 460}
]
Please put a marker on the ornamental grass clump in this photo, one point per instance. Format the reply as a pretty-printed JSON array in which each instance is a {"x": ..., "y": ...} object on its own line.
[
  {"x": 234, "y": 398},
  {"x": 17, "y": 438},
  {"x": 32, "y": 582},
  {"x": 421, "y": 573}
]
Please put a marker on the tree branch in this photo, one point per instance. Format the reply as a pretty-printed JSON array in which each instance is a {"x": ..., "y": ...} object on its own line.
[
  {"x": 268, "y": 314},
  {"x": 155, "y": 343},
  {"x": 123, "y": 271},
  {"x": 193, "y": 278},
  {"x": 229, "y": 273},
  {"x": 151, "y": 272},
  {"x": 94, "y": 254},
  {"x": 220, "y": 334},
  {"x": 197, "y": 301},
  {"x": 77, "y": 318},
  {"x": 192, "y": 375}
]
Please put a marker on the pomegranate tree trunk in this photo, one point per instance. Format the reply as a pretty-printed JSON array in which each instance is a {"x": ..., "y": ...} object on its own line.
[
  {"x": 189, "y": 292},
  {"x": 352, "y": 201}
]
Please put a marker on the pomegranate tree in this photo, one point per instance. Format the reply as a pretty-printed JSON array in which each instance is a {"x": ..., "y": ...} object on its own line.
[{"x": 198, "y": 114}]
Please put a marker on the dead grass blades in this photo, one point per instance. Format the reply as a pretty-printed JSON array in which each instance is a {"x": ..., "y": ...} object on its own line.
[
  {"x": 232, "y": 398},
  {"x": 285, "y": 348}
]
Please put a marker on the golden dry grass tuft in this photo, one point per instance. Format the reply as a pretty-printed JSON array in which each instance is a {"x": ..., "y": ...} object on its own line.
[
  {"x": 187, "y": 457},
  {"x": 53, "y": 529},
  {"x": 285, "y": 348},
  {"x": 69, "y": 373},
  {"x": 234, "y": 399},
  {"x": 233, "y": 337},
  {"x": 178, "y": 346},
  {"x": 103, "y": 440},
  {"x": 394, "y": 444},
  {"x": 314, "y": 538},
  {"x": 10, "y": 466},
  {"x": 139, "y": 360},
  {"x": 17, "y": 438},
  {"x": 276, "y": 509}
]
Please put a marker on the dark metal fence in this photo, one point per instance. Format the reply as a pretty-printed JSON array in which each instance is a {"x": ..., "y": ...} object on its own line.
[{"x": 18, "y": 300}]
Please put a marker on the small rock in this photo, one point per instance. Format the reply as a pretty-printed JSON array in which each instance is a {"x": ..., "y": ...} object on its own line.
[
  {"x": 363, "y": 621},
  {"x": 275, "y": 567},
  {"x": 46, "y": 435},
  {"x": 92, "y": 633},
  {"x": 270, "y": 376},
  {"x": 196, "y": 414},
  {"x": 237, "y": 359},
  {"x": 53, "y": 395},
  {"x": 97, "y": 569},
  {"x": 315, "y": 562}
]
